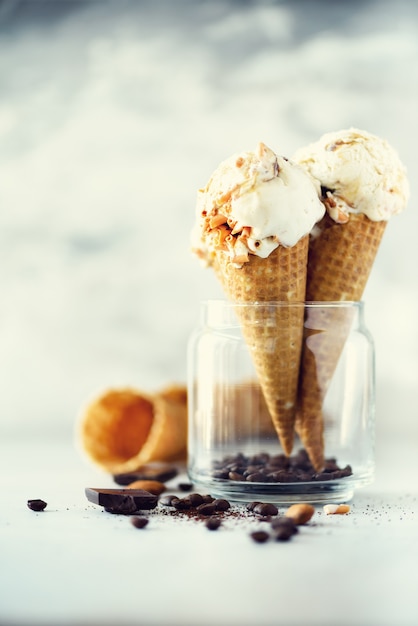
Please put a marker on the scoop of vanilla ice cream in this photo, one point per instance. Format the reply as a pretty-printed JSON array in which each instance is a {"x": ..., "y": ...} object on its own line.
[
  {"x": 358, "y": 173},
  {"x": 254, "y": 202}
]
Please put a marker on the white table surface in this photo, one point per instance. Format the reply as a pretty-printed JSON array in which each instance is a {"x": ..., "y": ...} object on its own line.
[{"x": 76, "y": 564}]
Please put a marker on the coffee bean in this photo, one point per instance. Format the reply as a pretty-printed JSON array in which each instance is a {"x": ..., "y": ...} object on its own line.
[
  {"x": 36, "y": 505},
  {"x": 257, "y": 477},
  {"x": 284, "y": 522},
  {"x": 185, "y": 486},
  {"x": 195, "y": 499},
  {"x": 139, "y": 522},
  {"x": 220, "y": 474},
  {"x": 213, "y": 523},
  {"x": 235, "y": 476},
  {"x": 259, "y": 536},
  {"x": 321, "y": 476},
  {"x": 206, "y": 509},
  {"x": 182, "y": 504},
  {"x": 251, "y": 505},
  {"x": 221, "y": 504},
  {"x": 282, "y": 533},
  {"x": 207, "y": 499},
  {"x": 265, "y": 509},
  {"x": 169, "y": 500},
  {"x": 276, "y": 468},
  {"x": 160, "y": 472}
]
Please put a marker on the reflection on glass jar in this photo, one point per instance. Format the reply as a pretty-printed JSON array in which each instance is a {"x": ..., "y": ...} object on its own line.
[{"x": 281, "y": 401}]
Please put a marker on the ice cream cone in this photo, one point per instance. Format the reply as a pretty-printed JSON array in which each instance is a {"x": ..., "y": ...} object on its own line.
[
  {"x": 341, "y": 257},
  {"x": 123, "y": 429},
  {"x": 254, "y": 217},
  {"x": 272, "y": 330},
  {"x": 363, "y": 184}
]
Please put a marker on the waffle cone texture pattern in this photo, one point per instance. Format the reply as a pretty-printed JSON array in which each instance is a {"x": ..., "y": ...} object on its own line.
[
  {"x": 273, "y": 334},
  {"x": 339, "y": 263}
]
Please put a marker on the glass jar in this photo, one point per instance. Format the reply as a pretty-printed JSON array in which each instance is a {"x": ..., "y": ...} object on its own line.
[{"x": 234, "y": 444}]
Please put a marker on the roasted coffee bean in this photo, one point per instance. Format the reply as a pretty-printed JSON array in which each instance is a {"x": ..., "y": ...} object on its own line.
[
  {"x": 160, "y": 472},
  {"x": 265, "y": 509},
  {"x": 251, "y": 505},
  {"x": 259, "y": 536},
  {"x": 284, "y": 522},
  {"x": 182, "y": 504},
  {"x": 36, "y": 505},
  {"x": 169, "y": 500},
  {"x": 139, "y": 522},
  {"x": 195, "y": 499},
  {"x": 277, "y": 468},
  {"x": 221, "y": 505},
  {"x": 279, "y": 460},
  {"x": 282, "y": 533},
  {"x": 222, "y": 473},
  {"x": 321, "y": 476},
  {"x": 207, "y": 499},
  {"x": 330, "y": 465},
  {"x": 257, "y": 477},
  {"x": 213, "y": 523},
  {"x": 285, "y": 476},
  {"x": 185, "y": 486},
  {"x": 206, "y": 509},
  {"x": 235, "y": 476}
]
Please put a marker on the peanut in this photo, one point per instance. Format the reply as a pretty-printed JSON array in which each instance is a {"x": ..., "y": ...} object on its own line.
[
  {"x": 153, "y": 486},
  {"x": 336, "y": 509},
  {"x": 300, "y": 513}
]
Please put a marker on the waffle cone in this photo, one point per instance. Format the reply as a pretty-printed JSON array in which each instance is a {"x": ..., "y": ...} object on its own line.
[
  {"x": 339, "y": 263},
  {"x": 123, "y": 429},
  {"x": 273, "y": 333}
]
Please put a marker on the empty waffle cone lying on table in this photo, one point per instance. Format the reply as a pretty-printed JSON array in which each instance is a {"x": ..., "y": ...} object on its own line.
[
  {"x": 124, "y": 429},
  {"x": 363, "y": 184},
  {"x": 253, "y": 221}
]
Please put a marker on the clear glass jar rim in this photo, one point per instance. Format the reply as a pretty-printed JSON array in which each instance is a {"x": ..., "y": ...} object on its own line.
[
  {"x": 219, "y": 312},
  {"x": 280, "y": 303}
]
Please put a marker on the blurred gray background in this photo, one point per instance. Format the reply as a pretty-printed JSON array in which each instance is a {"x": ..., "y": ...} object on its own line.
[{"x": 112, "y": 115}]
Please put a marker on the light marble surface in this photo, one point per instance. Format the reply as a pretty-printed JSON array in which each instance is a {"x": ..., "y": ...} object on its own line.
[
  {"x": 75, "y": 564},
  {"x": 112, "y": 115}
]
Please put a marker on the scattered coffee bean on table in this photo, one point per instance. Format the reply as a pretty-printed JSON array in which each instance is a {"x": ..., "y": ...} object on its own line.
[
  {"x": 266, "y": 468},
  {"x": 185, "y": 486},
  {"x": 283, "y": 534},
  {"x": 36, "y": 505},
  {"x": 139, "y": 522},
  {"x": 213, "y": 523},
  {"x": 265, "y": 509},
  {"x": 260, "y": 536},
  {"x": 284, "y": 522},
  {"x": 169, "y": 500}
]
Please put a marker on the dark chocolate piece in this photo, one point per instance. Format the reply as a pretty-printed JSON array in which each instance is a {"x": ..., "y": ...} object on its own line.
[{"x": 124, "y": 501}]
